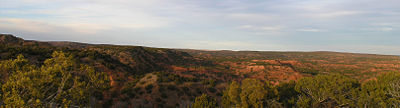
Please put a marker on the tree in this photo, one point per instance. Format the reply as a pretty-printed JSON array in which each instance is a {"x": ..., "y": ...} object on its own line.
[
  {"x": 251, "y": 93},
  {"x": 394, "y": 93},
  {"x": 382, "y": 92},
  {"x": 287, "y": 95},
  {"x": 7, "y": 67},
  {"x": 327, "y": 91},
  {"x": 204, "y": 101},
  {"x": 59, "y": 82},
  {"x": 231, "y": 97}
]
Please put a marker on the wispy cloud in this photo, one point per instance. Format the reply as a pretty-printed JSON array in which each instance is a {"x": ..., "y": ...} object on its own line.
[
  {"x": 251, "y": 17},
  {"x": 276, "y": 30},
  {"x": 334, "y": 14},
  {"x": 45, "y": 27},
  {"x": 379, "y": 29},
  {"x": 309, "y": 30},
  {"x": 262, "y": 28},
  {"x": 28, "y": 25},
  {"x": 91, "y": 15}
]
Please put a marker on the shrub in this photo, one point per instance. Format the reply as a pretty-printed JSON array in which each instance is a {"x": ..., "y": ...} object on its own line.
[
  {"x": 204, "y": 101},
  {"x": 212, "y": 90}
]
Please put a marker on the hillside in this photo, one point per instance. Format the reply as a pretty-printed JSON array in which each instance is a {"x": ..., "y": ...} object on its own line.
[
  {"x": 156, "y": 77},
  {"x": 360, "y": 66}
]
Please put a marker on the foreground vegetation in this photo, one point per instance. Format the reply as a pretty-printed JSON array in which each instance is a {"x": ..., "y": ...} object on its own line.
[
  {"x": 58, "y": 82},
  {"x": 322, "y": 91}
]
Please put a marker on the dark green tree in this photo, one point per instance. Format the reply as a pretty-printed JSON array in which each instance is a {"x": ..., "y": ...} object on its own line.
[
  {"x": 287, "y": 95},
  {"x": 382, "y": 92},
  {"x": 327, "y": 91},
  {"x": 204, "y": 101},
  {"x": 59, "y": 82},
  {"x": 251, "y": 93}
]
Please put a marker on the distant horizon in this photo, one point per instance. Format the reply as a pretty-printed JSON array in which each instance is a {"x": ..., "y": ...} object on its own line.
[
  {"x": 367, "y": 26},
  {"x": 195, "y": 48}
]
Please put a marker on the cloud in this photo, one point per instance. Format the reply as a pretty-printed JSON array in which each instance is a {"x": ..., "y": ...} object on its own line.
[
  {"x": 251, "y": 17},
  {"x": 272, "y": 28},
  {"x": 309, "y": 30},
  {"x": 44, "y": 27},
  {"x": 378, "y": 29},
  {"x": 262, "y": 28},
  {"x": 335, "y": 14},
  {"x": 90, "y": 15},
  {"x": 86, "y": 28},
  {"x": 277, "y": 30},
  {"x": 385, "y": 29},
  {"x": 386, "y": 24},
  {"x": 245, "y": 27},
  {"x": 28, "y": 25}
]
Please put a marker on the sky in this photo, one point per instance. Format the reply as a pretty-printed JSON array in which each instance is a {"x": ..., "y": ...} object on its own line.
[{"x": 358, "y": 26}]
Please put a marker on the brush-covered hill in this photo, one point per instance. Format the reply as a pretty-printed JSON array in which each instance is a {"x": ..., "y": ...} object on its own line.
[
  {"x": 360, "y": 66},
  {"x": 125, "y": 66},
  {"x": 157, "y": 77}
]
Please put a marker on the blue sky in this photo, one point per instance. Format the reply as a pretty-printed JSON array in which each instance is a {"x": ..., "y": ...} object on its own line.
[{"x": 361, "y": 26}]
